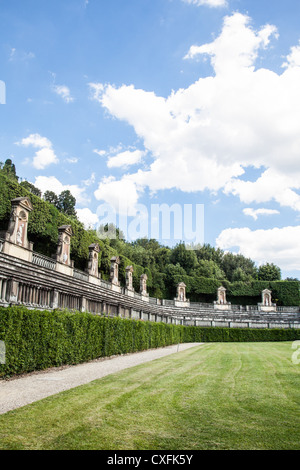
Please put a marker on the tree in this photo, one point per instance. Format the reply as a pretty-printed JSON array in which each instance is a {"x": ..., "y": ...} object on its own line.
[
  {"x": 232, "y": 261},
  {"x": 240, "y": 275},
  {"x": 66, "y": 203},
  {"x": 31, "y": 188},
  {"x": 208, "y": 269},
  {"x": 187, "y": 259},
  {"x": 269, "y": 272},
  {"x": 209, "y": 253},
  {"x": 9, "y": 170},
  {"x": 51, "y": 197}
]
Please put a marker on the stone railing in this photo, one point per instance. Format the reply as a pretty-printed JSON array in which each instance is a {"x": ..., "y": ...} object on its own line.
[
  {"x": 44, "y": 261},
  {"x": 81, "y": 275}
]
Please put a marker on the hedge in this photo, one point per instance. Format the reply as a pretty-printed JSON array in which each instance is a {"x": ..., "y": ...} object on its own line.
[
  {"x": 37, "y": 340},
  {"x": 225, "y": 335}
]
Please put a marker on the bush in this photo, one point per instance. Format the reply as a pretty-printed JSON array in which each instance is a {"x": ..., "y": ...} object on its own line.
[
  {"x": 36, "y": 340},
  {"x": 223, "y": 335}
]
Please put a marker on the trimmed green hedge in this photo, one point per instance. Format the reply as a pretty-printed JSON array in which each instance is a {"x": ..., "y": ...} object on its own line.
[
  {"x": 36, "y": 340},
  {"x": 233, "y": 335}
]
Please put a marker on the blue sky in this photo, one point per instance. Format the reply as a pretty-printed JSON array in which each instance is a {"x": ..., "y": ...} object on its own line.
[{"x": 143, "y": 102}]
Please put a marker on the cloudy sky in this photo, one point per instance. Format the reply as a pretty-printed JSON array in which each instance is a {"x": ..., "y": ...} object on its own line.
[{"x": 137, "y": 103}]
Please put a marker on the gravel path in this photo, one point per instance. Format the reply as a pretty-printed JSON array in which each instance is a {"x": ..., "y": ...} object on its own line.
[{"x": 23, "y": 390}]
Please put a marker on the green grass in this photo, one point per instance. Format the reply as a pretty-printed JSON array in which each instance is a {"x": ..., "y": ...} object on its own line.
[{"x": 215, "y": 396}]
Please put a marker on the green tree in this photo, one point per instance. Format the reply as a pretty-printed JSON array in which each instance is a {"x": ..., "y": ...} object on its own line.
[
  {"x": 233, "y": 261},
  {"x": 269, "y": 272},
  {"x": 187, "y": 259},
  {"x": 209, "y": 253},
  {"x": 51, "y": 197},
  {"x": 240, "y": 275},
  {"x": 31, "y": 188},
  {"x": 66, "y": 203},
  {"x": 9, "y": 170},
  {"x": 174, "y": 275},
  {"x": 209, "y": 269}
]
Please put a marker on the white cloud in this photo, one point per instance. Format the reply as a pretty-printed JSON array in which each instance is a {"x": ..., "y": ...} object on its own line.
[
  {"x": 293, "y": 59},
  {"x": 90, "y": 180},
  {"x": 87, "y": 217},
  {"x": 121, "y": 195},
  {"x": 272, "y": 184},
  {"x": 278, "y": 245},
  {"x": 51, "y": 183},
  {"x": 256, "y": 212},
  {"x": 237, "y": 46},
  {"x": 72, "y": 160},
  {"x": 43, "y": 157},
  {"x": 101, "y": 153},
  {"x": 20, "y": 55},
  {"x": 125, "y": 159},
  {"x": 64, "y": 92},
  {"x": 35, "y": 140},
  {"x": 209, "y": 3},
  {"x": 207, "y": 135}
]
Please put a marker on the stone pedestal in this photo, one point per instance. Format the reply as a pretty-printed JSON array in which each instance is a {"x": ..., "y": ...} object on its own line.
[
  {"x": 114, "y": 271},
  {"x": 16, "y": 242},
  {"x": 64, "y": 264},
  {"x": 129, "y": 279},
  {"x": 143, "y": 286},
  {"x": 221, "y": 303},
  {"x": 181, "y": 300},
  {"x": 266, "y": 305},
  {"x": 92, "y": 268}
]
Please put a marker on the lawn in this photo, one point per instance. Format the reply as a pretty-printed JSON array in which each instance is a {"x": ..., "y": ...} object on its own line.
[{"x": 215, "y": 396}]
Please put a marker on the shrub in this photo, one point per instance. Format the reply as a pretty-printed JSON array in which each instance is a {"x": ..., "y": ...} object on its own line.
[{"x": 36, "y": 340}]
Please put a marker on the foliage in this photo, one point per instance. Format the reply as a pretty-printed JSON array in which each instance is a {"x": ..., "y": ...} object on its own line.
[
  {"x": 66, "y": 203},
  {"x": 9, "y": 170},
  {"x": 51, "y": 196},
  {"x": 269, "y": 272},
  {"x": 36, "y": 340},
  {"x": 231, "y": 262},
  {"x": 232, "y": 335},
  {"x": 31, "y": 188}
]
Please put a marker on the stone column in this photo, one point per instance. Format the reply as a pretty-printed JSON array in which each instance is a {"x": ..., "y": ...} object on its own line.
[
  {"x": 16, "y": 241},
  {"x": 266, "y": 298},
  {"x": 64, "y": 244},
  {"x": 181, "y": 300},
  {"x": 143, "y": 285},
  {"x": 63, "y": 260},
  {"x": 267, "y": 305},
  {"x": 114, "y": 271},
  {"x": 54, "y": 299},
  {"x": 13, "y": 291},
  {"x": 181, "y": 292},
  {"x": 92, "y": 268},
  {"x": 221, "y": 303},
  {"x": 83, "y": 304},
  {"x": 129, "y": 284}
]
